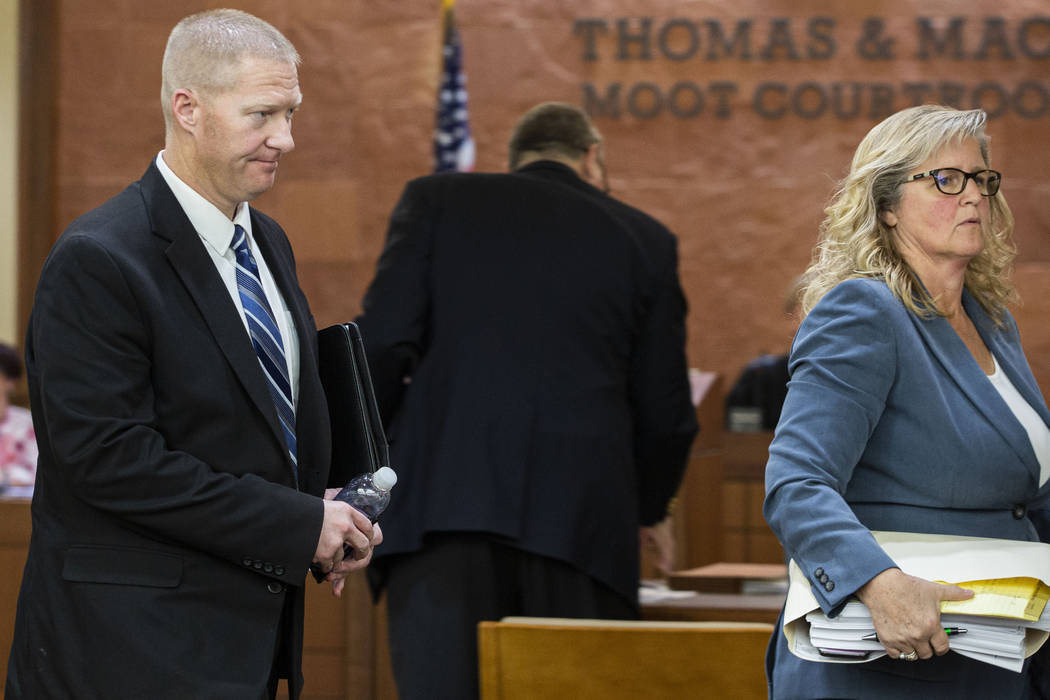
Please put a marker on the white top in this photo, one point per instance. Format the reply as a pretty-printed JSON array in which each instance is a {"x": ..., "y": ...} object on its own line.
[
  {"x": 217, "y": 233},
  {"x": 18, "y": 449},
  {"x": 1038, "y": 433}
]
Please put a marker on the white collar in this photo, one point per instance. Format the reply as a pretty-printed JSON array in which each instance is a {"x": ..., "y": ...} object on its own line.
[{"x": 210, "y": 223}]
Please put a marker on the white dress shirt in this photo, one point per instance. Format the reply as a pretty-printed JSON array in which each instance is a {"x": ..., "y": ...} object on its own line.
[{"x": 216, "y": 231}]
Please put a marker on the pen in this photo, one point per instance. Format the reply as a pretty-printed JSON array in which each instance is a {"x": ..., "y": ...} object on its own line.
[{"x": 950, "y": 631}]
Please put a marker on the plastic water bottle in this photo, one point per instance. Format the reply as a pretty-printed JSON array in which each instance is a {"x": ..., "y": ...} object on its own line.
[{"x": 369, "y": 492}]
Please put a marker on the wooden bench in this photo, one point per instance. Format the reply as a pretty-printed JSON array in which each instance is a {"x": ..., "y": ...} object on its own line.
[{"x": 528, "y": 658}]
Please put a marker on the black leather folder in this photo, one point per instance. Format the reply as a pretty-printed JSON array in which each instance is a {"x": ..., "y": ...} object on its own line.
[{"x": 358, "y": 441}]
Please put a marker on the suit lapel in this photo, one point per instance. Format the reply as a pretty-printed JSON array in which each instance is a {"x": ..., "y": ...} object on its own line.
[
  {"x": 953, "y": 355},
  {"x": 195, "y": 269},
  {"x": 1011, "y": 361},
  {"x": 1011, "y": 358}
]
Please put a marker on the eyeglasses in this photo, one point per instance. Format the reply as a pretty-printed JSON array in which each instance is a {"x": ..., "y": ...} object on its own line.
[{"x": 953, "y": 180}]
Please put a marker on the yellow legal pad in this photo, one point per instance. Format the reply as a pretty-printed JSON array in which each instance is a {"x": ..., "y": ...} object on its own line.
[{"x": 1022, "y": 598}]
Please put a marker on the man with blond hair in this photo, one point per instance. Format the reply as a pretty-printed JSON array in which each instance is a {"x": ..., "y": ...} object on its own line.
[{"x": 183, "y": 429}]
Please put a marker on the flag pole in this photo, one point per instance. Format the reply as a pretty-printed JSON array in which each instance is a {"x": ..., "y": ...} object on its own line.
[{"x": 453, "y": 145}]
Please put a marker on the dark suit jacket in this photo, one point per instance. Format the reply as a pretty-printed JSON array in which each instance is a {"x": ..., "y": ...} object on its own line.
[
  {"x": 542, "y": 324},
  {"x": 166, "y": 528}
]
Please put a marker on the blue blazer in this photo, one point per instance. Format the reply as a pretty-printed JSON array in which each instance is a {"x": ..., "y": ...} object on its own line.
[{"x": 890, "y": 424}]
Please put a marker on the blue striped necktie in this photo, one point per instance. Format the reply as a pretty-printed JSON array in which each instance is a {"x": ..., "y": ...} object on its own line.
[{"x": 266, "y": 338}]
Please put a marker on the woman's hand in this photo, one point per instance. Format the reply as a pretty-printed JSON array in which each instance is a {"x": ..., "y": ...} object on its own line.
[{"x": 907, "y": 612}]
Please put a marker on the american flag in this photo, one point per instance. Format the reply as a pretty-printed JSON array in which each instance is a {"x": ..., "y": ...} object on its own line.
[{"x": 453, "y": 147}]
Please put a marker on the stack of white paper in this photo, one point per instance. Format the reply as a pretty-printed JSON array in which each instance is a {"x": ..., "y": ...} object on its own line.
[
  {"x": 995, "y": 640},
  {"x": 996, "y": 636}
]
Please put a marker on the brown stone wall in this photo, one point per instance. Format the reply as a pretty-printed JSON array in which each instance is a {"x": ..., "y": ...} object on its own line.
[{"x": 743, "y": 191}]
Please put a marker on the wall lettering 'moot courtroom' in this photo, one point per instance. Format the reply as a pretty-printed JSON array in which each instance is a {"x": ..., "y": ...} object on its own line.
[{"x": 943, "y": 51}]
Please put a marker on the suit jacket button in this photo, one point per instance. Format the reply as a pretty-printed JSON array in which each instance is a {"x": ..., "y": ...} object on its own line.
[
  {"x": 268, "y": 567},
  {"x": 819, "y": 572},
  {"x": 823, "y": 578},
  {"x": 829, "y": 586},
  {"x": 247, "y": 561},
  {"x": 257, "y": 564},
  {"x": 1019, "y": 511},
  {"x": 274, "y": 587},
  {"x": 279, "y": 570}
]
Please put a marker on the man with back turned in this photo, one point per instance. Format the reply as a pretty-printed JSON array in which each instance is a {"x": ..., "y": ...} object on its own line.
[
  {"x": 526, "y": 333},
  {"x": 183, "y": 430}
]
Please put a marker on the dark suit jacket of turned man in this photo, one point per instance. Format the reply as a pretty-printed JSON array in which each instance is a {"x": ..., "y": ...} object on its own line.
[
  {"x": 167, "y": 529},
  {"x": 542, "y": 324}
]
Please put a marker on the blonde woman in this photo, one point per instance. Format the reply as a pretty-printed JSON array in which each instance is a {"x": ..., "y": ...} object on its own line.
[{"x": 911, "y": 405}]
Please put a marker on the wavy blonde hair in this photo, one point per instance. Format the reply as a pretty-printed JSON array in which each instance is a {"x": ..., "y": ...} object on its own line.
[{"x": 854, "y": 242}]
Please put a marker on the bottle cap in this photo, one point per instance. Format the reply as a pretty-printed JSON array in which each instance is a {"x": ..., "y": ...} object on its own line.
[{"x": 384, "y": 478}]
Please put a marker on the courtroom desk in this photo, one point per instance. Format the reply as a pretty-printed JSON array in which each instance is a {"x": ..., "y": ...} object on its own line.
[
  {"x": 15, "y": 526},
  {"x": 730, "y": 577},
  {"x": 717, "y": 607},
  {"x": 746, "y": 453},
  {"x": 745, "y": 535},
  {"x": 696, "y": 518}
]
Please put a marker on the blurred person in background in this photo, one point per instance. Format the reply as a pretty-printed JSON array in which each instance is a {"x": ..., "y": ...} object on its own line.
[
  {"x": 757, "y": 396},
  {"x": 18, "y": 451}
]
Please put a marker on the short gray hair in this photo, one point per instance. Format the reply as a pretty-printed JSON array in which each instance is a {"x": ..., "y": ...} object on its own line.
[{"x": 204, "y": 49}]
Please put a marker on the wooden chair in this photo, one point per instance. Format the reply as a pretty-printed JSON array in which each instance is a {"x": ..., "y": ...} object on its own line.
[{"x": 545, "y": 658}]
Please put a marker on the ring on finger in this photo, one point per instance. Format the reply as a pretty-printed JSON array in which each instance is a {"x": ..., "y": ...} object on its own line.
[{"x": 910, "y": 656}]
